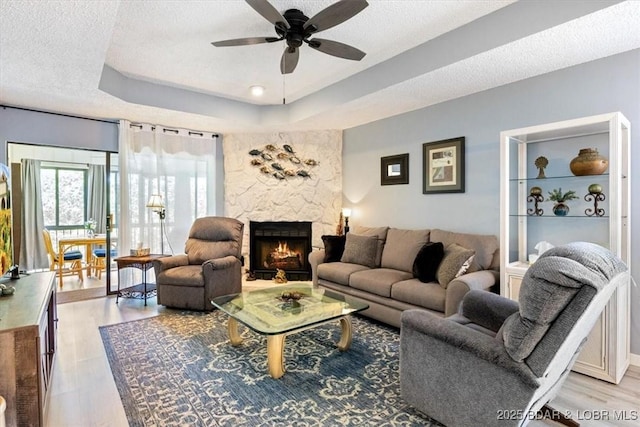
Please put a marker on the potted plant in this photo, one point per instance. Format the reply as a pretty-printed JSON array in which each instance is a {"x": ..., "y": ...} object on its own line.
[{"x": 557, "y": 196}]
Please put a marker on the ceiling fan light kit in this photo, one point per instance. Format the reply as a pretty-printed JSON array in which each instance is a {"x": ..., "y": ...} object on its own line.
[{"x": 296, "y": 28}]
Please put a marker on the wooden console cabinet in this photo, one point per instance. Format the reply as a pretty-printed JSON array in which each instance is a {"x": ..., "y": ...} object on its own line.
[{"x": 27, "y": 347}]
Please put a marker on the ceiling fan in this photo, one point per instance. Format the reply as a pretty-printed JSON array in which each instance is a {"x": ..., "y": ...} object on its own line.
[{"x": 295, "y": 27}]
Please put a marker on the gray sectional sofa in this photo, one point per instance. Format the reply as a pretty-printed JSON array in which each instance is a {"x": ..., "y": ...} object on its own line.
[{"x": 387, "y": 282}]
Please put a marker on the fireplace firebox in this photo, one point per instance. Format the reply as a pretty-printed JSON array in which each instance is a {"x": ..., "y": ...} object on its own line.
[{"x": 281, "y": 245}]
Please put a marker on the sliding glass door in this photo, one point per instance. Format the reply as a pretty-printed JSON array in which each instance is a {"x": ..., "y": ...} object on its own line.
[{"x": 71, "y": 194}]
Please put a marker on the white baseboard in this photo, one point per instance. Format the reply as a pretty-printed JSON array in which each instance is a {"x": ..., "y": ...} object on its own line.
[{"x": 634, "y": 359}]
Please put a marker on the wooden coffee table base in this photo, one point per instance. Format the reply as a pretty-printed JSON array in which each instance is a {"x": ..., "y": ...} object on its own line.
[{"x": 275, "y": 343}]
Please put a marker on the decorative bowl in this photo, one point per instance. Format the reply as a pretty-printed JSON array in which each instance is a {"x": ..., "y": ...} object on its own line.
[{"x": 140, "y": 252}]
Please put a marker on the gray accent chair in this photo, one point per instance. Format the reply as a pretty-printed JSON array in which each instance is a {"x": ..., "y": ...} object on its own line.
[
  {"x": 498, "y": 362},
  {"x": 210, "y": 267}
]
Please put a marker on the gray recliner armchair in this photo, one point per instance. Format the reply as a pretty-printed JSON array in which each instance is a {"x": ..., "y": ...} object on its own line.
[
  {"x": 210, "y": 267},
  {"x": 498, "y": 362}
]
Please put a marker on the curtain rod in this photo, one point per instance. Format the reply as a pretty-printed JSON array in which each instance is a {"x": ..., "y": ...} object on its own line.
[
  {"x": 59, "y": 114},
  {"x": 213, "y": 135},
  {"x": 167, "y": 129}
]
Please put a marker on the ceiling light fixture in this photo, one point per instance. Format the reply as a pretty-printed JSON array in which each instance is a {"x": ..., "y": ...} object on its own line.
[{"x": 256, "y": 90}]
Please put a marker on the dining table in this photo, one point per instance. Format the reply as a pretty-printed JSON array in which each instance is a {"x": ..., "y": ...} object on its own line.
[{"x": 66, "y": 243}]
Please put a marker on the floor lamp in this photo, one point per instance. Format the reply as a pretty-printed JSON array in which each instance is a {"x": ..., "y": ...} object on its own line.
[{"x": 156, "y": 204}]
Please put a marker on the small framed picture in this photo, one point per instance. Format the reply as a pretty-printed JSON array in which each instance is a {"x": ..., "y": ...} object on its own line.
[
  {"x": 394, "y": 169},
  {"x": 443, "y": 166}
]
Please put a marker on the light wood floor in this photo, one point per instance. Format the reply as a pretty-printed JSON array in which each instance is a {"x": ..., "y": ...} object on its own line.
[{"x": 84, "y": 394}]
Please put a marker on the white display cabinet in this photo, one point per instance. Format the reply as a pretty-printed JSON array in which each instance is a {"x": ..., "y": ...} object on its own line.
[{"x": 606, "y": 353}]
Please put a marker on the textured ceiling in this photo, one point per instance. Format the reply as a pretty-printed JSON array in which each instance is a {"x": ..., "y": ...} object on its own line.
[{"x": 153, "y": 61}]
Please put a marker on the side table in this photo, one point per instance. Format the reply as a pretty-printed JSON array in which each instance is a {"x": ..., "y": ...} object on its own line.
[{"x": 140, "y": 290}]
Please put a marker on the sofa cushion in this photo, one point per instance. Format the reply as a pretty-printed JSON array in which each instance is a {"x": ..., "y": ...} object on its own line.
[
  {"x": 426, "y": 264},
  {"x": 360, "y": 250},
  {"x": 485, "y": 246},
  {"x": 214, "y": 237},
  {"x": 401, "y": 248},
  {"x": 379, "y": 232},
  {"x": 427, "y": 295},
  {"x": 378, "y": 280},
  {"x": 186, "y": 275},
  {"x": 333, "y": 247},
  {"x": 338, "y": 272},
  {"x": 455, "y": 263}
]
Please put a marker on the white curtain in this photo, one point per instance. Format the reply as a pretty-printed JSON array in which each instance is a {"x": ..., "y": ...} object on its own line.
[
  {"x": 179, "y": 165},
  {"x": 96, "y": 196},
  {"x": 33, "y": 254}
]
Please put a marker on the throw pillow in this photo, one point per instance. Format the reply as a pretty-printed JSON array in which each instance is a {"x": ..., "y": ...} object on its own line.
[
  {"x": 455, "y": 263},
  {"x": 333, "y": 247},
  {"x": 360, "y": 250},
  {"x": 379, "y": 232},
  {"x": 427, "y": 261}
]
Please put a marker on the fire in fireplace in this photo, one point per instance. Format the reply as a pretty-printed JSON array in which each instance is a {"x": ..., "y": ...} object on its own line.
[{"x": 281, "y": 245}]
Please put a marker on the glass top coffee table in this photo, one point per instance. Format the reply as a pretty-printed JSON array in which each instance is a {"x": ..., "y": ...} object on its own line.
[{"x": 284, "y": 310}]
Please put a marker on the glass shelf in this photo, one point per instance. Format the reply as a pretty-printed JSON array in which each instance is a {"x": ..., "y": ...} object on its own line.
[
  {"x": 559, "y": 217},
  {"x": 580, "y": 177}
]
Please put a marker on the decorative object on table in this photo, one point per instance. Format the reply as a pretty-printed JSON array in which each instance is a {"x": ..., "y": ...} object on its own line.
[
  {"x": 346, "y": 212},
  {"x": 443, "y": 166},
  {"x": 595, "y": 195},
  {"x": 535, "y": 196},
  {"x": 340, "y": 226},
  {"x": 394, "y": 169},
  {"x": 6, "y": 290},
  {"x": 557, "y": 196},
  {"x": 282, "y": 163},
  {"x": 291, "y": 296},
  {"x": 140, "y": 251},
  {"x": 541, "y": 163},
  {"x": 90, "y": 227},
  {"x": 157, "y": 205},
  {"x": 280, "y": 277},
  {"x": 589, "y": 162}
]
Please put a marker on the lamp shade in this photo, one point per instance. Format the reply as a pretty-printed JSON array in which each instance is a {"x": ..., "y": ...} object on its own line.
[
  {"x": 155, "y": 202},
  {"x": 346, "y": 212}
]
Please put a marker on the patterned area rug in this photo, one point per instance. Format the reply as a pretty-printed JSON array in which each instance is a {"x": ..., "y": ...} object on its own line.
[{"x": 179, "y": 369}]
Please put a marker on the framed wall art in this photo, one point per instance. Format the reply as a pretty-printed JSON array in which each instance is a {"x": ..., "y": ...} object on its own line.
[
  {"x": 443, "y": 166},
  {"x": 394, "y": 169}
]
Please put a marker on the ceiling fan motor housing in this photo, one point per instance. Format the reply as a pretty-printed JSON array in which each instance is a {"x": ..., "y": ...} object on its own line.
[{"x": 296, "y": 33}]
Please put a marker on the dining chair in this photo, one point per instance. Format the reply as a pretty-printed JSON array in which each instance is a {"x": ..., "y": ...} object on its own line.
[
  {"x": 71, "y": 261},
  {"x": 98, "y": 261}
]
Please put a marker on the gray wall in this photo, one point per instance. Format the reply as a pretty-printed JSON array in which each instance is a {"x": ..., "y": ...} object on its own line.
[
  {"x": 27, "y": 126},
  {"x": 18, "y": 125},
  {"x": 602, "y": 86}
]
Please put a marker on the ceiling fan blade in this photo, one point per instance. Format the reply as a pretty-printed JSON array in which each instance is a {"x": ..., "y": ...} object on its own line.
[
  {"x": 289, "y": 60},
  {"x": 268, "y": 12},
  {"x": 338, "y": 49},
  {"x": 245, "y": 41},
  {"x": 335, "y": 14}
]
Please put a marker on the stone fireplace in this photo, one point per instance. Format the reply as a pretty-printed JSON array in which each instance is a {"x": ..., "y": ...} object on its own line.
[
  {"x": 281, "y": 245},
  {"x": 251, "y": 195}
]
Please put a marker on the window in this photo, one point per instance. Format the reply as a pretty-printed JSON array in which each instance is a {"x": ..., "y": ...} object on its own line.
[{"x": 63, "y": 197}]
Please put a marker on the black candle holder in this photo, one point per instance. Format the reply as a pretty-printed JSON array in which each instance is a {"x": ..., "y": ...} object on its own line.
[
  {"x": 595, "y": 197},
  {"x": 535, "y": 199}
]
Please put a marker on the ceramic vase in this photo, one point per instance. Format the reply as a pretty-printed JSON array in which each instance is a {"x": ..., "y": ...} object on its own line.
[
  {"x": 589, "y": 162},
  {"x": 560, "y": 209}
]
